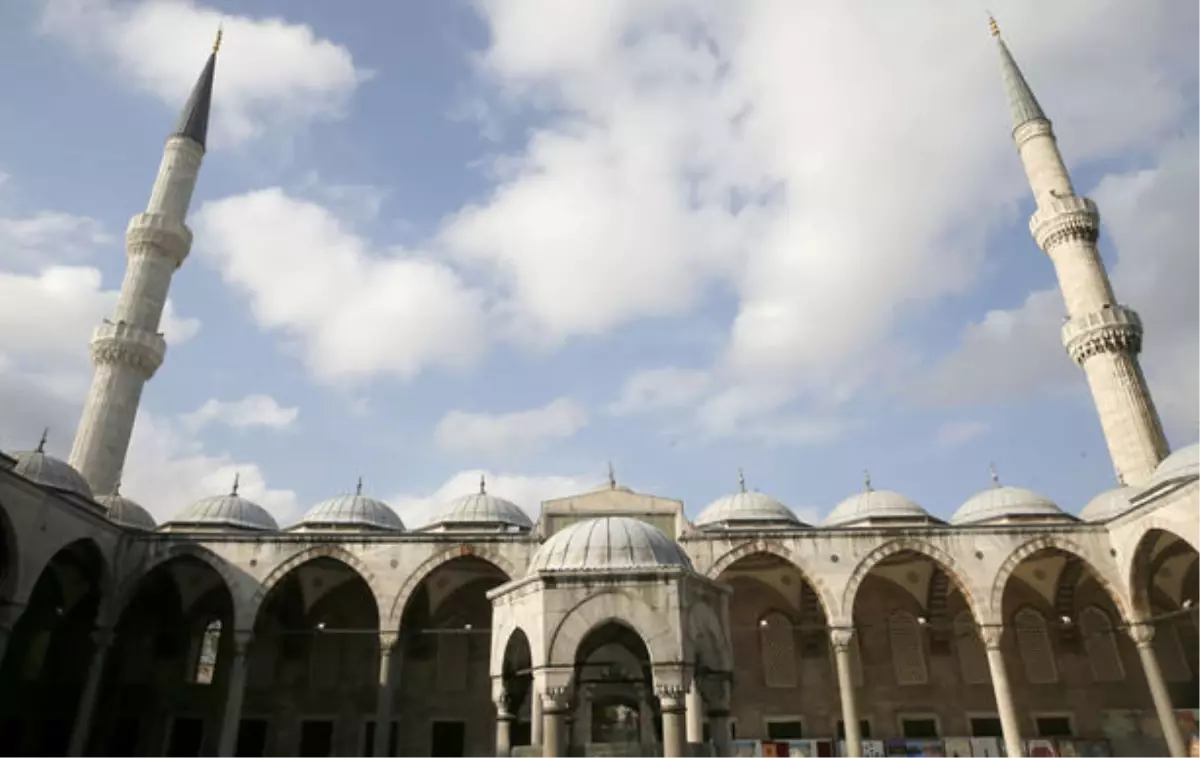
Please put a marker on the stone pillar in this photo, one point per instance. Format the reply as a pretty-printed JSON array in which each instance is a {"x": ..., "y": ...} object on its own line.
[
  {"x": 235, "y": 692},
  {"x": 695, "y": 714},
  {"x": 718, "y": 723},
  {"x": 1143, "y": 637},
  {"x": 554, "y": 712},
  {"x": 383, "y": 698},
  {"x": 504, "y": 721},
  {"x": 841, "y": 639},
  {"x": 535, "y": 717},
  {"x": 82, "y": 728},
  {"x": 991, "y": 635},
  {"x": 671, "y": 703}
]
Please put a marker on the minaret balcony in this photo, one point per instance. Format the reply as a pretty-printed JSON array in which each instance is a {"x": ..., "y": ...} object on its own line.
[
  {"x": 1059, "y": 219},
  {"x": 1111, "y": 327},
  {"x": 160, "y": 233},
  {"x": 125, "y": 343}
]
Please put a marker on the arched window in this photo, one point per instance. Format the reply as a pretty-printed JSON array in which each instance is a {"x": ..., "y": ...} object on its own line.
[
  {"x": 777, "y": 643},
  {"x": 908, "y": 648},
  {"x": 1037, "y": 653},
  {"x": 1101, "y": 645},
  {"x": 206, "y": 658},
  {"x": 1169, "y": 651},
  {"x": 972, "y": 656}
]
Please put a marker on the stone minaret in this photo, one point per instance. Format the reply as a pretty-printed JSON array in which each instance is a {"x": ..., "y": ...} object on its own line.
[
  {"x": 1101, "y": 335},
  {"x": 127, "y": 350}
]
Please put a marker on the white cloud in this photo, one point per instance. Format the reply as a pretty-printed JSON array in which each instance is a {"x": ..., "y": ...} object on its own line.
[
  {"x": 250, "y": 411},
  {"x": 527, "y": 491},
  {"x": 271, "y": 74},
  {"x": 661, "y": 389},
  {"x": 954, "y": 434},
  {"x": 516, "y": 433},
  {"x": 356, "y": 311},
  {"x": 34, "y": 240}
]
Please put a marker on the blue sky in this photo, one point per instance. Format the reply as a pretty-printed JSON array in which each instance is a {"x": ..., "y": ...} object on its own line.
[{"x": 434, "y": 238}]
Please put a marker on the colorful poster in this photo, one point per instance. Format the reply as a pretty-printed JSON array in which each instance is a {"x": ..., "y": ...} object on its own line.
[
  {"x": 985, "y": 747},
  {"x": 747, "y": 748},
  {"x": 1041, "y": 749},
  {"x": 801, "y": 749},
  {"x": 958, "y": 747},
  {"x": 923, "y": 748},
  {"x": 873, "y": 749}
]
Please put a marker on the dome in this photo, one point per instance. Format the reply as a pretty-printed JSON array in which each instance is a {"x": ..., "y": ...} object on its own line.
[
  {"x": 38, "y": 467},
  {"x": 612, "y": 542},
  {"x": 231, "y": 511},
  {"x": 873, "y": 505},
  {"x": 125, "y": 512},
  {"x": 1183, "y": 463},
  {"x": 1003, "y": 502},
  {"x": 1108, "y": 504},
  {"x": 355, "y": 510},
  {"x": 483, "y": 509},
  {"x": 746, "y": 508}
]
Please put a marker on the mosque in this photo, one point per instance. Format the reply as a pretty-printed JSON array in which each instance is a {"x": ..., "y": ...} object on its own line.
[{"x": 612, "y": 624}]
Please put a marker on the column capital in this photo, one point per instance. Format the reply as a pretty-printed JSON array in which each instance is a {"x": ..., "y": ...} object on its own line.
[
  {"x": 555, "y": 699},
  {"x": 387, "y": 642},
  {"x": 1141, "y": 633},
  {"x": 242, "y": 639},
  {"x": 506, "y": 706},
  {"x": 840, "y": 637},
  {"x": 991, "y": 634},
  {"x": 670, "y": 697}
]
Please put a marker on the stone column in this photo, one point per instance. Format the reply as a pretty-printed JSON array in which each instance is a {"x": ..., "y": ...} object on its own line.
[
  {"x": 671, "y": 703},
  {"x": 554, "y": 712},
  {"x": 535, "y": 717},
  {"x": 695, "y": 714},
  {"x": 841, "y": 639},
  {"x": 235, "y": 692},
  {"x": 1143, "y": 636},
  {"x": 82, "y": 729},
  {"x": 383, "y": 698},
  {"x": 718, "y": 723},
  {"x": 991, "y": 635},
  {"x": 504, "y": 721}
]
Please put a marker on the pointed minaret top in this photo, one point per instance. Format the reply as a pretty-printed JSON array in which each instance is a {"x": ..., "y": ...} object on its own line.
[
  {"x": 483, "y": 484},
  {"x": 193, "y": 121},
  {"x": 357, "y": 487},
  {"x": 867, "y": 481},
  {"x": 1022, "y": 105},
  {"x": 612, "y": 476},
  {"x": 741, "y": 480},
  {"x": 41, "y": 448},
  {"x": 217, "y": 41},
  {"x": 237, "y": 475},
  {"x": 995, "y": 476}
]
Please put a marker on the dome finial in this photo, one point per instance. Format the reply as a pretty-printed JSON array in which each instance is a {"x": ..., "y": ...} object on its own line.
[
  {"x": 358, "y": 487},
  {"x": 237, "y": 475},
  {"x": 41, "y": 448},
  {"x": 741, "y": 480},
  {"x": 612, "y": 476},
  {"x": 993, "y": 27},
  {"x": 483, "y": 484},
  {"x": 117, "y": 487},
  {"x": 220, "y": 33},
  {"x": 867, "y": 481},
  {"x": 995, "y": 476}
]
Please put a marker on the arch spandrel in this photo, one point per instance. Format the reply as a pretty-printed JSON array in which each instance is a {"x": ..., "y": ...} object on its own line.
[
  {"x": 613, "y": 606},
  {"x": 959, "y": 576},
  {"x": 332, "y": 551},
  {"x": 1103, "y": 571},
  {"x": 486, "y": 553},
  {"x": 825, "y": 593},
  {"x": 708, "y": 637}
]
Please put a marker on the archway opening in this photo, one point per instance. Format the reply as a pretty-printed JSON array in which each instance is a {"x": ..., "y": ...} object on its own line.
[
  {"x": 778, "y": 628},
  {"x": 445, "y": 647},
  {"x": 517, "y": 673},
  {"x": 614, "y": 690},
  {"x": 163, "y": 683},
  {"x": 49, "y": 653},
  {"x": 1165, "y": 585}
]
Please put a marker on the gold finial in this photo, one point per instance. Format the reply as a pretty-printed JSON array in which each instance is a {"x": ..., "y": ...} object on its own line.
[
  {"x": 612, "y": 476},
  {"x": 483, "y": 484},
  {"x": 41, "y": 448},
  {"x": 237, "y": 475},
  {"x": 220, "y": 33},
  {"x": 867, "y": 481},
  {"x": 993, "y": 27},
  {"x": 358, "y": 487},
  {"x": 741, "y": 480},
  {"x": 995, "y": 476}
]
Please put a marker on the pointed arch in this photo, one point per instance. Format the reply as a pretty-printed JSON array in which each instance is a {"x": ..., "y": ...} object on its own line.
[
  {"x": 1051, "y": 542},
  {"x": 231, "y": 580},
  {"x": 1100, "y": 642},
  {"x": 939, "y": 556},
  {"x": 431, "y": 564},
  {"x": 820, "y": 588},
  {"x": 596, "y": 610},
  {"x": 323, "y": 550}
]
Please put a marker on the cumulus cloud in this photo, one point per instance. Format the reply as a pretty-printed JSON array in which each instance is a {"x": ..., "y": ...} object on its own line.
[
  {"x": 31, "y": 241},
  {"x": 250, "y": 411},
  {"x": 661, "y": 389},
  {"x": 527, "y": 491},
  {"x": 271, "y": 75},
  {"x": 515, "y": 433},
  {"x": 953, "y": 434}
]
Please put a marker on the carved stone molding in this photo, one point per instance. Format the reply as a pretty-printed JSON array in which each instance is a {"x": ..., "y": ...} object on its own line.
[
  {"x": 1110, "y": 330},
  {"x": 991, "y": 634},
  {"x": 1065, "y": 219},
  {"x": 841, "y": 638},
  {"x": 670, "y": 697},
  {"x": 1141, "y": 634},
  {"x": 128, "y": 345}
]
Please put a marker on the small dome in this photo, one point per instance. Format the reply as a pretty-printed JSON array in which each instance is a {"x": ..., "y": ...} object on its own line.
[
  {"x": 1108, "y": 504},
  {"x": 355, "y": 510},
  {"x": 125, "y": 512},
  {"x": 1181, "y": 464},
  {"x": 1003, "y": 502},
  {"x": 480, "y": 508},
  {"x": 865, "y": 508},
  {"x": 38, "y": 467},
  {"x": 612, "y": 542},
  {"x": 746, "y": 508},
  {"x": 230, "y": 510}
]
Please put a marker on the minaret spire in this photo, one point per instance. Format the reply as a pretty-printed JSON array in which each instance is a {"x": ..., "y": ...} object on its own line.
[
  {"x": 1101, "y": 335},
  {"x": 128, "y": 348}
]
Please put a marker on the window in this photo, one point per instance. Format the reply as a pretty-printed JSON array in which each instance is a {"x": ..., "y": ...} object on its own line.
[
  {"x": 864, "y": 729},
  {"x": 206, "y": 657},
  {"x": 919, "y": 727},
  {"x": 777, "y": 640},
  {"x": 986, "y": 726},
  {"x": 1101, "y": 645},
  {"x": 908, "y": 648},
  {"x": 1033, "y": 640},
  {"x": 785, "y": 728},
  {"x": 1169, "y": 652},
  {"x": 972, "y": 657},
  {"x": 1054, "y": 726}
]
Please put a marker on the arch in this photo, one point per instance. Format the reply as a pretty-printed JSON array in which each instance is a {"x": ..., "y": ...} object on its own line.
[
  {"x": 1049, "y": 542},
  {"x": 1100, "y": 642},
  {"x": 910, "y": 544},
  {"x": 243, "y": 618},
  {"x": 1140, "y": 574},
  {"x": 91, "y": 550},
  {"x": 777, "y": 648},
  {"x": 324, "y": 550},
  {"x": 822, "y": 591},
  {"x": 1035, "y": 646},
  {"x": 431, "y": 564},
  {"x": 598, "y": 609}
]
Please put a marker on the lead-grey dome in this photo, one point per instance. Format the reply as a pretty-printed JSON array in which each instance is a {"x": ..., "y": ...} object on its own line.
[
  {"x": 481, "y": 509},
  {"x": 872, "y": 507},
  {"x": 746, "y": 509},
  {"x": 125, "y": 512},
  {"x": 226, "y": 511},
  {"x": 1003, "y": 502},
  {"x": 609, "y": 543},
  {"x": 1182, "y": 464},
  {"x": 38, "y": 467},
  {"x": 1108, "y": 504},
  {"x": 355, "y": 510}
]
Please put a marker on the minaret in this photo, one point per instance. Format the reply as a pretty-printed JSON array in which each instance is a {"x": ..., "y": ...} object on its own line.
[
  {"x": 127, "y": 350},
  {"x": 1101, "y": 335}
]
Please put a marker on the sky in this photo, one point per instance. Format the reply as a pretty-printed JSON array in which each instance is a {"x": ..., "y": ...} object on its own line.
[{"x": 528, "y": 237}]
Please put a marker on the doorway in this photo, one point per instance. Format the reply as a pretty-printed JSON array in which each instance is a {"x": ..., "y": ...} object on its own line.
[
  {"x": 316, "y": 738},
  {"x": 449, "y": 738}
]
